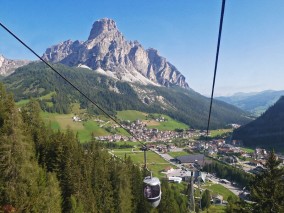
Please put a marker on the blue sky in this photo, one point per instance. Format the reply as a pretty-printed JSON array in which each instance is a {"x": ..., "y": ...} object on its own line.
[{"x": 184, "y": 31}]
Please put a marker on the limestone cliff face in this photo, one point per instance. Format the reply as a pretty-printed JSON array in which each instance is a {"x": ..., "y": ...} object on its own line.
[
  {"x": 8, "y": 66},
  {"x": 108, "y": 52}
]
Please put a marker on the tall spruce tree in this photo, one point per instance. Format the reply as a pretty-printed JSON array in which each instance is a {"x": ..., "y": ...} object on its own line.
[
  {"x": 168, "y": 202},
  {"x": 267, "y": 189},
  {"x": 206, "y": 199}
]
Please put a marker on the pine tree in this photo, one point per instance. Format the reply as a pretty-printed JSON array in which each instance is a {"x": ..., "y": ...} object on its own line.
[
  {"x": 168, "y": 202},
  {"x": 267, "y": 190},
  {"x": 125, "y": 193},
  {"x": 235, "y": 205},
  {"x": 36, "y": 127},
  {"x": 206, "y": 199}
]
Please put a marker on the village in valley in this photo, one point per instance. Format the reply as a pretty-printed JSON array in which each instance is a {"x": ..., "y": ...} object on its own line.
[
  {"x": 180, "y": 154},
  {"x": 143, "y": 133}
]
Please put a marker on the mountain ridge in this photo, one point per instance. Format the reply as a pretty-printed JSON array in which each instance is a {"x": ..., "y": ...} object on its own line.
[
  {"x": 255, "y": 102},
  {"x": 184, "y": 105},
  {"x": 106, "y": 50}
]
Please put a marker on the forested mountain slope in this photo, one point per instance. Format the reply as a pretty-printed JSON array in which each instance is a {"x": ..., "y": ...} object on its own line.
[
  {"x": 265, "y": 131},
  {"x": 46, "y": 171},
  {"x": 187, "y": 106}
]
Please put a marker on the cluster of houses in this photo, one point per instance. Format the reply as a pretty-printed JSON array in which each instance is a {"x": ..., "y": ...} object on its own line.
[
  {"x": 140, "y": 130},
  {"x": 214, "y": 147},
  {"x": 114, "y": 138},
  {"x": 76, "y": 118},
  {"x": 189, "y": 171},
  {"x": 228, "y": 153},
  {"x": 222, "y": 151},
  {"x": 160, "y": 119}
]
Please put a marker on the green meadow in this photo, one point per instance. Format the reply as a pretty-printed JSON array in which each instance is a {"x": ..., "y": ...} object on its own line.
[
  {"x": 168, "y": 124},
  {"x": 177, "y": 154},
  {"x": 149, "y": 120},
  {"x": 248, "y": 150},
  {"x": 85, "y": 129},
  {"x": 131, "y": 115},
  {"x": 221, "y": 190},
  {"x": 219, "y": 132},
  {"x": 155, "y": 163}
]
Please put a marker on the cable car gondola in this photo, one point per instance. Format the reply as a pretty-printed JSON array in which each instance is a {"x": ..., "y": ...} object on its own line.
[
  {"x": 152, "y": 185},
  {"x": 152, "y": 190}
]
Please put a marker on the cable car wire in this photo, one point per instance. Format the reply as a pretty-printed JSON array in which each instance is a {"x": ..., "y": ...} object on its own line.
[
  {"x": 215, "y": 71},
  {"x": 216, "y": 64},
  {"x": 69, "y": 82}
]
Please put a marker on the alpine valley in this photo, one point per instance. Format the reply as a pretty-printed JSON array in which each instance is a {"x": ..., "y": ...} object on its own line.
[{"x": 117, "y": 75}]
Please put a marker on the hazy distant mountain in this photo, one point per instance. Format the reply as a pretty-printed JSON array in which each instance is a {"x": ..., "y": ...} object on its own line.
[
  {"x": 109, "y": 53},
  {"x": 185, "y": 105},
  {"x": 8, "y": 66},
  {"x": 256, "y": 102},
  {"x": 267, "y": 130}
]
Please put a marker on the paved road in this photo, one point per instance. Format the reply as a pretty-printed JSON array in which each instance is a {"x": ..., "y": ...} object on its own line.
[{"x": 167, "y": 157}]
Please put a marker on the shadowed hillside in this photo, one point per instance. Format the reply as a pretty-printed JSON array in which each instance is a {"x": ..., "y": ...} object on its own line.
[{"x": 267, "y": 130}]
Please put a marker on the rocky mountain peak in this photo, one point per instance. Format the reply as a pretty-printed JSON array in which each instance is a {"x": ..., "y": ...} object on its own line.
[
  {"x": 1, "y": 59},
  {"x": 102, "y": 26},
  {"x": 106, "y": 51},
  {"x": 8, "y": 66}
]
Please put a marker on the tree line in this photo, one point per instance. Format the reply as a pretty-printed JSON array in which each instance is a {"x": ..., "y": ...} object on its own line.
[{"x": 228, "y": 172}]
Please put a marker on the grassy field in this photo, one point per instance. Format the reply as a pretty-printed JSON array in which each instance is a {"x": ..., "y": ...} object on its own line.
[
  {"x": 248, "y": 150},
  {"x": 155, "y": 163},
  {"x": 219, "y": 189},
  {"x": 177, "y": 154},
  {"x": 121, "y": 152},
  {"x": 131, "y": 115},
  {"x": 61, "y": 121},
  {"x": 64, "y": 121},
  {"x": 169, "y": 124},
  {"x": 219, "y": 132},
  {"x": 129, "y": 143},
  {"x": 215, "y": 209},
  {"x": 22, "y": 102},
  {"x": 121, "y": 131},
  {"x": 48, "y": 96},
  {"x": 45, "y": 97},
  {"x": 138, "y": 157}
]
